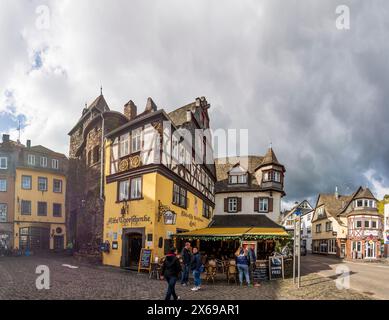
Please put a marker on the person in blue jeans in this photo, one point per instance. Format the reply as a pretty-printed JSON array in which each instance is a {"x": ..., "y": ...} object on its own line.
[
  {"x": 170, "y": 270},
  {"x": 242, "y": 263},
  {"x": 196, "y": 266},
  {"x": 186, "y": 256}
]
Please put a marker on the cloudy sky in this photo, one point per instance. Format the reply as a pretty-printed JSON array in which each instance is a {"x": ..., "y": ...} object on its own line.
[{"x": 281, "y": 69}]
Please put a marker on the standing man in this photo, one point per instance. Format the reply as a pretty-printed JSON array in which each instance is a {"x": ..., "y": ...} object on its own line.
[
  {"x": 186, "y": 255},
  {"x": 252, "y": 261},
  {"x": 171, "y": 268},
  {"x": 197, "y": 267}
]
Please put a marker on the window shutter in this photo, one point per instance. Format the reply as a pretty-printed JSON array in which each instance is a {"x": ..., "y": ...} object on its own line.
[
  {"x": 225, "y": 204},
  {"x": 239, "y": 204},
  {"x": 256, "y": 204},
  {"x": 270, "y": 204}
]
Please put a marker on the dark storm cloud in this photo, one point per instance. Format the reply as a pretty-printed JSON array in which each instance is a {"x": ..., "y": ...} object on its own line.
[{"x": 278, "y": 68}]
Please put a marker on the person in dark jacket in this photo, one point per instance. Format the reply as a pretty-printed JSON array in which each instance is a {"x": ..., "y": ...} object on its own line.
[
  {"x": 242, "y": 262},
  {"x": 186, "y": 255},
  {"x": 196, "y": 266},
  {"x": 252, "y": 260},
  {"x": 171, "y": 268}
]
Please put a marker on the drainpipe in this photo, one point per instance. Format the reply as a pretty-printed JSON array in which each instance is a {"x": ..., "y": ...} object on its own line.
[{"x": 102, "y": 159}]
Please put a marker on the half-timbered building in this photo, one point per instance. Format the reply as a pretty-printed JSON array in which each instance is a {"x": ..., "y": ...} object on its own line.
[
  {"x": 160, "y": 180},
  {"x": 347, "y": 226}
]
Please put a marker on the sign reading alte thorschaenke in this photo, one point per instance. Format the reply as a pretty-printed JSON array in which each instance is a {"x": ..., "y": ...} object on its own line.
[{"x": 125, "y": 221}]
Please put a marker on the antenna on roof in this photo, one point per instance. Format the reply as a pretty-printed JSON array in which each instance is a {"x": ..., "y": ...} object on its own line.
[
  {"x": 101, "y": 90},
  {"x": 271, "y": 145}
]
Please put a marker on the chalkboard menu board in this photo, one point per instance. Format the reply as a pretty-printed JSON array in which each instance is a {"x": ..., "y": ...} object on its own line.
[
  {"x": 288, "y": 267},
  {"x": 261, "y": 272},
  {"x": 276, "y": 267},
  {"x": 145, "y": 259}
]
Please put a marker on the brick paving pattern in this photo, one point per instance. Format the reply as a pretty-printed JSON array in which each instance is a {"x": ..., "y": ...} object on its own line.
[{"x": 17, "y": 281}]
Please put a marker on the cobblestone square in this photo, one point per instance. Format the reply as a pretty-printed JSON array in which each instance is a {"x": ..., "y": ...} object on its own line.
[{"x": 17, "y": 278}]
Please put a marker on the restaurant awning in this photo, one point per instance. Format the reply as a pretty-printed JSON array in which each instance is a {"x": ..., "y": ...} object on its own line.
[{"x": 243, "y": 233}]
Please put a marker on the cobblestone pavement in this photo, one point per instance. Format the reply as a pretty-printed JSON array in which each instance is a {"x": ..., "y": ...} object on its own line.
[{"x": 17, "y": 281}]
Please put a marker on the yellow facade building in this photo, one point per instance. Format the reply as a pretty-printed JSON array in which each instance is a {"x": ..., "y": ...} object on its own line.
[
  {"x": 154, "y": 187},
  {"x": 40, "y": 192}
]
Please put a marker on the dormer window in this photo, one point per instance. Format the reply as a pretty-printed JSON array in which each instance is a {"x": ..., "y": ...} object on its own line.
[
  {"x": 320, "y": 212},
  {"x": 237, "y": 175},
  {"x": 365, "y": 203},
  {"x": 237, "y": 179}
]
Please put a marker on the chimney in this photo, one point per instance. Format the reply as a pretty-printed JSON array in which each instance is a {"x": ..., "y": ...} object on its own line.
[
  {"x": 28, "y": 143},
  {"x": 150, "y": 106},
  {"x": 336, "y": 193},
  {"x": 130, "y": 110},
  {"x": 188, "y": 115},
  {"x": 5, "y": 138}
]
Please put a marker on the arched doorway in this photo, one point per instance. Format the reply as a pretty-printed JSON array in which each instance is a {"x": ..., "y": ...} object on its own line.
[{"x": 133, "y": 242}]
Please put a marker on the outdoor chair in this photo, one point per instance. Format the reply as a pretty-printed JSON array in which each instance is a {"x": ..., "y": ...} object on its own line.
[
  {"x": 232, "y": 273},
  {"x": 220, "y": 265},
  {"x": 210, "y": 273}
]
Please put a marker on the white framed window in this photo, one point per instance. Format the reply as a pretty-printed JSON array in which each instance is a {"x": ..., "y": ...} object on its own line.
[
  {"x": 26, "y": 182},
  {"x": 136, "y": 188},
  {"x": 318, "y": 228},
  {"x": 43, "y": 162},
  {"x": 3, "y": 212},
  {"x": 31, "y": 160},
  {"x": 232, "y": 204},
  {"x": 242, "y": 178},
  {"x": 57, "y": 210},
  {"x": 136, "y": 140},
  {"x": 374, "y": 224},
  {"x": 176, "y": 194},
  {"x": 367, "y": 224},
  {"x": 57, "y": 186},
  {"x": 263, "y": 204},
  {"x": 365, "y": 203},
  {"x": 3, "y": 163},
  {"x": 277, "y": 176},
  {"x": 124, "y": 148},
  {"x": 183, "y": 198},
  {"x": 332, "y": 246},
  {"x": 124, "y": 188},
  {"x": 358, "y": 224},
  {"x": 233, "y": 179},
  {"x": 25, "y": 208},
  {"x": 42, "y": 184},
  {"x": 328, "y": 226},
  {"x": 55, "y": 164},
  {"x": 3, "y": 185}
]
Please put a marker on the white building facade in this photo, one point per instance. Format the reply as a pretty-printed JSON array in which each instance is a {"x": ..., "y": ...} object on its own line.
[{"x": 250, "y": 185}]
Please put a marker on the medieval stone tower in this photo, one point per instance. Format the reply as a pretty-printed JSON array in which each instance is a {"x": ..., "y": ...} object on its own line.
[{"x": 85, "y": 200}]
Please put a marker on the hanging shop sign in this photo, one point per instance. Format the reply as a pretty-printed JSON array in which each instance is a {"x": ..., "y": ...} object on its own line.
[
  {"x": 169, "y": 218},
  {"x": 129, "y": 221}
]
